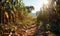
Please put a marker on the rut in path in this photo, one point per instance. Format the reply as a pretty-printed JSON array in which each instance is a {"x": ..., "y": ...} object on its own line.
[{"x": 30, "y": 28}]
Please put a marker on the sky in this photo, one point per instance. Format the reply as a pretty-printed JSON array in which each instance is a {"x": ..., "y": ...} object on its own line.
[{"x": 36, "y": 3}]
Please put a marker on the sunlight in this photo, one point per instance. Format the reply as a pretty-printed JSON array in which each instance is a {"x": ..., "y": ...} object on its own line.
[
  {"x": 45, "y": 2},
  {"x": 40, "y": 5}
]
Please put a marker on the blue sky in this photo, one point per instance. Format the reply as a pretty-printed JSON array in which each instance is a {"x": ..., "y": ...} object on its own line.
[{"x": 36, "y": 3}]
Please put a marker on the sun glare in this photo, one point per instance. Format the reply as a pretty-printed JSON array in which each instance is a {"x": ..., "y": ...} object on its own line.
[
  {"x": 40, "y": 5},
  {"x": 45, "y": 2}
]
